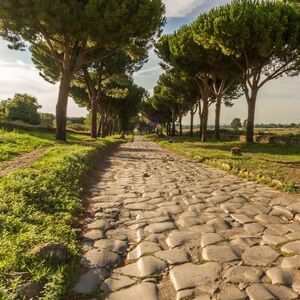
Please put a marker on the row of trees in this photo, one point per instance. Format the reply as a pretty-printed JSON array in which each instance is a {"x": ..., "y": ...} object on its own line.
[
  {"x": 231, "y": 50},
  {"x": 80, "y": 44}
]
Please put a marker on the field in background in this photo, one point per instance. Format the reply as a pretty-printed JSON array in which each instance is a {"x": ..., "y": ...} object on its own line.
[{"x": 275, "y": 165}]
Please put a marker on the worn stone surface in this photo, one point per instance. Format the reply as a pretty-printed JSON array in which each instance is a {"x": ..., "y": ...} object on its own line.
[
  {"x": 237, "y": 274},
  {"x": 142, "y": 249},
  {"x": 162, "y": 227},
  {"x": 260, "y": 256},
  {"x": 280, "y": 276},
  {"x": 188, "y": 276},
  {"x": 145, "y": 266},
  {"x": 292, "y": 247},
  {"x": 89, "y": 281},
  {"x": 174, "y": 256},
  {"x": 145, "y": 291},
  {"x": 219, "y": 253},
  {"x": 116, "y": 282},
  {"x": 259, "y": 292}
]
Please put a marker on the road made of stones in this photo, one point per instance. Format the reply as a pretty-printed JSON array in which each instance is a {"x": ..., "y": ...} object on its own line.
[{"x": 164, "y": 227}]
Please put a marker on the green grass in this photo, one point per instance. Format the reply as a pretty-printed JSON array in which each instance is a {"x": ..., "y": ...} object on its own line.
[
  {"x": 13, "y": 144},
  {"x": 42, "y": 204},
  {"x": 275, "y": 165}
]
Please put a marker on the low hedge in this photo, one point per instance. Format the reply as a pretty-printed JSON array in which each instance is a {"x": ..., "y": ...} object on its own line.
[{"x": 11, "y": 126}]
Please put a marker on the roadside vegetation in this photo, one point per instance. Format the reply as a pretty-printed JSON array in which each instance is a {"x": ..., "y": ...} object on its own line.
[
  {"x": 15, "y": 143},
  {"x": 41, "y": 205},
  {"x": 275, "y": 165}
]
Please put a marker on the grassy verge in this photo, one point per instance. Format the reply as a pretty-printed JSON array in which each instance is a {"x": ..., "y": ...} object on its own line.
[
  {"x": 14, "y": 143},
  {"x": 42, "y": 205},
  {"x": 275, "y": 165}
]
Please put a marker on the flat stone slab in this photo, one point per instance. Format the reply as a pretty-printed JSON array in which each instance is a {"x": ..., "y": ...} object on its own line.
[
  {"x": 219, "y": 253},
  {"x": 259, "y": 292},
  {"x": 295, "y": 207},
  {"x": 177, "y": 238},
  {"x": 173, "y": 257},
  {"x": 254, "y": 228},
  {"x": 210, "y": 239},
  {"x": 116, "y": 282},
  {"x": 145, "y": 266},
  {"x": 282, "y": 292},
  {"x": 260, "y": 256},
  {"x": 143, "y": 248},
  {"x": 292, "y": 262},
  {"x": 160, "y": 227},
  {"x": 148, "y": 215},
  {"x": 241, "y": 218},
  {"x": 291, "y": 247},
  {"x": 218, "y": 199},
  {"x": 237, "y": 274},
  {"x": 100, "y": 258},
  {"x": 100, "y": 224},
  {"x": 94, "y": 234},
  {"x": 280, "y": 276},
  {"x": 230, "y": 292},
  {"x": 189, "y": 276},
  {"x": 145, "y": 291},
  {"x": 112, "y": 245},
  {"x": 89, "y": 281}
]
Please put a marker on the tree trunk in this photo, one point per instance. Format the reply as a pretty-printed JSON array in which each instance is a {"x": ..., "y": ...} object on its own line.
[
  {"x": 251, "y": 116},
  {"x": 205, "y": 113},
  {"x": 61, "y": 108},
  {"x": 180, "y": 124},
  {"x": 192, "y": 123},
  {"x": 173, "y": 128},
  {"x": 200, "y": 117},
  {"x": 218, "y": 116},
  {"x": 94, "y": 107}
]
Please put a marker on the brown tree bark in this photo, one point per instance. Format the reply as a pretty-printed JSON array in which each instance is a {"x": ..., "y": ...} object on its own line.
[
  {"x": 251, "y": 116},
  {"x": 205, "y": 100},
  {"x": 94, "y": 108},
  {"x": 61, "y": 107},
  {"x": 218, "y": 117},
  {"x": 180, "y": 123},
  {"x": 192, "y": 123}
]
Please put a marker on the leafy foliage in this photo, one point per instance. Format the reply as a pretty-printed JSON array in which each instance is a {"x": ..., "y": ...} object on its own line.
[{"x": 22, "y": 108}]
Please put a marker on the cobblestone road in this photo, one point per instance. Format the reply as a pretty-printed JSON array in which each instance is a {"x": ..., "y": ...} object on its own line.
[{"x": 164, "y": 227}]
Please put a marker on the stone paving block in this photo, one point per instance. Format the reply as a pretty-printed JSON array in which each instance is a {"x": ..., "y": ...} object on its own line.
[
  {"x": 116, "y": 282},
  {"x": 237, "y": 274},
  {"x": 219, "y": 254},
  {"x": 145, "y": 266},
  {"x": 259, "y": 256},
  {"x": 160, "y": 227},
  {"x": 100, "y": 258},
  {"x": 112, "y": 245},
  {"x": 291, "y": 247},
  {"x": 143, "y": 248},
  {"x": 173, "y": 257},
  {"x": 89, "y": 281},
  {"x": 231, "y": 292},
  {"x": 280, "y": 276},
  {"x": 259, "y": 292},
  {"x": 210, "y": 239},
  {"x": 145, "y": 291},
  {"x": 189, "y": 276}
]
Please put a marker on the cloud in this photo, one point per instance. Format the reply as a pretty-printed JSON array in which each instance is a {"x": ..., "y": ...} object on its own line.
[
  {"x": 147, "y": 70},
  {"x": 184, "y": 8},
  {"x": 20, "y": 77}
]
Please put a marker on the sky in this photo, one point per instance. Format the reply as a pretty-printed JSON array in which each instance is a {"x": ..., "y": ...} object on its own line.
[{"x": 278, "y": 102}]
